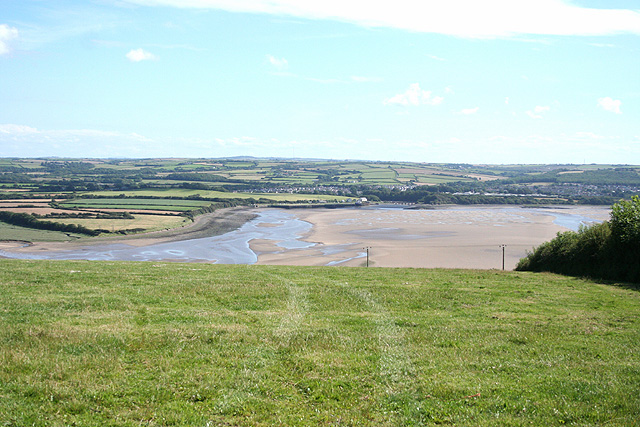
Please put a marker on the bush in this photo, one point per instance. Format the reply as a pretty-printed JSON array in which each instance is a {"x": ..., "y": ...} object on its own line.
[
  {"x": 610, "y": 250},
  {"x": 625, "y": 221}
]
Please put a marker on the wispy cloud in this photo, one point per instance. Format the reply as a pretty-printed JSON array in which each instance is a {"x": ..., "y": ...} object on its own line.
[
  {"x": 463, "y": 18},
  {"x": 610, "y": 104},
  {"x": 16, "y": 131},
  {"x": 137, "y": 55},
  {"x": 59, "y": 21},
  {"x": 70, "y": 142},
  {"x": 469, "y": 111},
  {"x": 414, "y": 96},
  {"x": 7, "y": 34},
  {"x": 538, "y": 111},
  {"x": 122, "y": 44},
  {"x": 279, "y": 63}
]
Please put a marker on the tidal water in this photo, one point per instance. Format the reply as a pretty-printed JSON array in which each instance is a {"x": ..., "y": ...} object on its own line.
[
  {"x": 569, "y": 220},
  {"x": 279, "y": 226},
  {"x": 229, "y": 248}
]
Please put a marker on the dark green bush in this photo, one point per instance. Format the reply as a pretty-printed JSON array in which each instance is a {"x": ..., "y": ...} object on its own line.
[{"x": 610, "y": 250}]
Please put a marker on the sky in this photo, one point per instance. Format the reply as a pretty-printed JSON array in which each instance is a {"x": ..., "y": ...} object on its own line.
[{"x": 456, "y": 81}]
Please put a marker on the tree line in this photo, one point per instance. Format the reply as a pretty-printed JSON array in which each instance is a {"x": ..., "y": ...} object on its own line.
[
  {"x": 610, "y": 250},
  {"x": 30, "y": 221}
]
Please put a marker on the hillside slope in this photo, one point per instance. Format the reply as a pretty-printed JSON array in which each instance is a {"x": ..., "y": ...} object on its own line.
[{"x": 101, "y": 343}]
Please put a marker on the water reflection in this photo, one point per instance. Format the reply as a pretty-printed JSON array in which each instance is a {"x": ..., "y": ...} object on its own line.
[
  {"x": 230, "y": 248},
  {"x": 572, "y": 221},
  {"x": 283, "y": 228}
]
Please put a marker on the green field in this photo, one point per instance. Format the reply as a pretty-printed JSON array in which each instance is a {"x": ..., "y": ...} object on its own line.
[
  {"x": 130, "y": 344},
  {"x": 152, "y": 204},
  {"x": 180, "y": 192},
  {"x": 13, "y": 232},
  {"x": 140, "y": 222}
]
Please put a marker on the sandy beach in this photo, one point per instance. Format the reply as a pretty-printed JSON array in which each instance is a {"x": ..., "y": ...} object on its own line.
[
  {"x": 453, "y": 237},
  {"x": 212, "y": 224},
  {"x": 447, "y": 237}
]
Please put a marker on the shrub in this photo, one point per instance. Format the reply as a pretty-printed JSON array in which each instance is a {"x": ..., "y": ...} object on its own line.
[{"x": 610, "y": 250}]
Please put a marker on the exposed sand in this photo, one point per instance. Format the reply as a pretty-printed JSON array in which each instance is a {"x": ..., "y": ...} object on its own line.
[
  {"x": 452, "y": 237},
  {"x": 207, "y": 225},
  {"x": 455, "y": 237}
]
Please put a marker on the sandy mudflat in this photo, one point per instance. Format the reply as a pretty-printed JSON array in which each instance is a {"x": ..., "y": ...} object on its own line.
[
  {"x": 452, "y": 237},
  {"x": 211, "y": 224},
  {"x": 456, "y": 237}
]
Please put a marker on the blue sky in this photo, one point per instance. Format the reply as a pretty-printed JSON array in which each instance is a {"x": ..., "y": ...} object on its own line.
[{"x": 497, "y": 81}]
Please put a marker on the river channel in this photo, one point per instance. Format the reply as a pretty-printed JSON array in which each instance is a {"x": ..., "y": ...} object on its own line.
[{"x": 276, "y": 225}]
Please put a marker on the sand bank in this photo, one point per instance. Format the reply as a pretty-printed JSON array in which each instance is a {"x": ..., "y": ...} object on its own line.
[
  {"x": 212, "y": 224},
  {"x": 453, "y": 237}
]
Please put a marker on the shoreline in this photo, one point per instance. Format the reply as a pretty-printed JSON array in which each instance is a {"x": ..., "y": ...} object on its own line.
[
  {"x": 211, "y": 224},
  {"x": 451, "y": 237},
  {"x": 447, "y": 237}
]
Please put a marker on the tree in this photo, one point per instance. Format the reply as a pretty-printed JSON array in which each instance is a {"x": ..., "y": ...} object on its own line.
[
  {"x": 610, "y": 250},
  {"x": 625, "y": 221}
]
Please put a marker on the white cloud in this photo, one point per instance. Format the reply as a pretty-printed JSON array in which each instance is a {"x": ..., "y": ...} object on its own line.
[
  {"x": 469, "y": 111},
  {"x": 463, "y": 18},
  {"x": 588, "y": 135},
  {"x": 11, "y": 129},
  {"x": 610, "y": 104},
  {"x": 26, "y": 141},
  {"x": 537, "y": 112},
  {"x": 137, "y": 55},
  {"x": 414, "y": 96},
  {"x": 279, "y": 63},
  {"x": 7, "y": 34}
]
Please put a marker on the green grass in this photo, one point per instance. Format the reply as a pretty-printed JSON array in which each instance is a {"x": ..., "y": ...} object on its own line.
[
  {"x": 13, "y": 232},
  {"x": 143, "y": 222},
  {"x": 97, "y": 343},
  {"x": 153, "y": 204},
  {"x": 178, "y": 192},
  {"x": 439, "y": 179}
]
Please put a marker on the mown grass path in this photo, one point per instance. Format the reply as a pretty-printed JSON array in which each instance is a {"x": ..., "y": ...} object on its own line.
[{"x": 130, "y": 344}]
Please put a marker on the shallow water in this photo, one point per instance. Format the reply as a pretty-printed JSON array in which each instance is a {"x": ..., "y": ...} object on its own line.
[
  {"x": 229, "y": 248},
  {"x": 282, "y": 227},
  {"x": 572, "y": 221}
]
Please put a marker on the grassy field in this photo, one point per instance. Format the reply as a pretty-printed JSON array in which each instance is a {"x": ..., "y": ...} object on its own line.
[
  {"x": 146, "y": 222},
  {"x": 13, "y": 232},
  {"x": 94, "y": 343},
  {"x": 151, "y": 204},
  {"x": 179, "y": 192}
]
